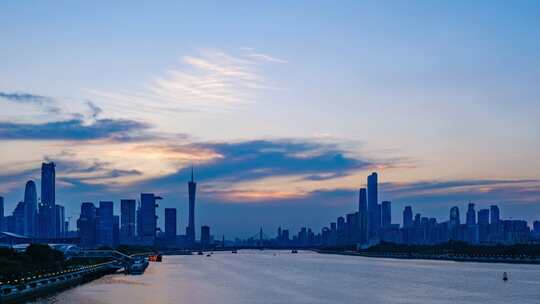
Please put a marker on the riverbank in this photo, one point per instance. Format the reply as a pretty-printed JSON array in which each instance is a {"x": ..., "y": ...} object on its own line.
[
  {"x": 443, "y": 257},
  {"x": 32, "y": 287}
]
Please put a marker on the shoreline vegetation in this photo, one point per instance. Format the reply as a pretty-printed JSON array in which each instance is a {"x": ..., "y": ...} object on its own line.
[
  {"x": 450, "y": 251},
  {"x": 41, "y": 270}
]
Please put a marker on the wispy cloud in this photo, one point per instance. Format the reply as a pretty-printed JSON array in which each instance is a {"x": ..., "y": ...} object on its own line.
[
  {"x": 74, "y": 129},
  {"x": 266, "y": 57},
  {"x": 23, "y": 97},
  {"x": 212, "y": 78},
  {"x": 44, "y": 102}
]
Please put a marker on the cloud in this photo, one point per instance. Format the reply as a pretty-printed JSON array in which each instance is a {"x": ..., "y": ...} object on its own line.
[
  {"x": 44, "y": 102},
  {"x": 259, "y": 159},
  {"x": 471, "y": 187},
  {"x": 266, "y": 57},
  {"x": 74, "y": 129},
  {"x": 95, "y": 110},
  {"x": 23, "y": 97},
  {"x": 213, "y": 78}
]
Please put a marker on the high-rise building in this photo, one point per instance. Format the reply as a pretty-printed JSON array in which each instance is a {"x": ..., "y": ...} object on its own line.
[
  {"x": 373, "y": 205},
  {"x": 105, "y": 223},
  {"x": 407, "y": 217},
  {"x": 483, "y": 217},
  {"x": 352, "y": 227},
  {"x": 190, "y": 230},
  {"x": 19, "y": 218},
  {"x": 483, "y": 225},
  {"x": 471, "y": 215},
  {"x": 148, "y": 218},
  {"x": 170, "y": 224},
  {"x": 30, "y": 202},
  {"x": 127, "y": 226},
  {"x": 386, "y": 214},
  {"x": 139, "y": 221},
  {"x": 417, "y": 220},
  {"x": 60, "y": 220},
  {"x": 47, "y": 211},
  {"x": 363, "y": 217},
  {"x": 205, "y": 236},
  {"x": 454, "y": 216},
  {"x": 362, "y": 200},
  {"x": 2, "y": 218},
  {"x": 341, "y": 224},
  {"x": 495, "y": 214},
  {"x": 116, "y": 230},
  {"x": 87, "y": 225},
  {"x": 536, "y": 227},
  {"x": 285, "y": 235}
]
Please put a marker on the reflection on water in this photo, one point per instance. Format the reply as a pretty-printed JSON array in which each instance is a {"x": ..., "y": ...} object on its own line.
[{"x": 281, "y": 277}]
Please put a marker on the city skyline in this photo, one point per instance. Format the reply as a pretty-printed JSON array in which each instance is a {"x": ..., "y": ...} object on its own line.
[
  {"x": 370, "y": 223},
  {"x": 283, "y": 113}
]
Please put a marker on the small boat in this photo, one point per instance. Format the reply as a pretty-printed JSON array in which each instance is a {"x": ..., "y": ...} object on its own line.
[
  {"x": 200, "y": 253},
  {"x": 234, "y": 251},
  {"x": 294, "y": 251},
  {"x": 505, "y": 276},
  {"x": 208, "y": 255},
  {"x": 155, "y": 258}
]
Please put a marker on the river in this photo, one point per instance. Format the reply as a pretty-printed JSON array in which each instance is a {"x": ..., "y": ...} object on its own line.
[{"x": 307, "y": 277}]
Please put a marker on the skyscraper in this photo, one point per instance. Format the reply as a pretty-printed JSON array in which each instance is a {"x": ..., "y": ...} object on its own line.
[
  {"x": 454, "y": 224},
  {"x": 127, "y": 226},
  {"x": 2, "y": 218},
  {"x": 483, "y": 217},
  {"x": 373, "y": 205},
  {"x": 116, "y": 230},
  {"x": 60, "y": 220},
  {"x": 471, "y": 215},
  {"x": 362, "y": 200},
  {"x": 87, "y": 225},
  {"x": 407, "y": 217},
  {"x": 386, "y": 214},
  {"x": 30, "y": 202},
  {"x": 190, "y": 230},
  {"x": 483, "y": 223},
  {"x": 205, "y": 236},
  {"x": 363, "y": 217},
  {"x": 170, "y": 224},
  {"x": 495, "y": 214},
  {"x": 105, "y": 223},
  {"x": 18, "y": 218},
  {"x": 148, "y": 218},
  {"x": 454, "y": 216},
  {"x": 47, "y": 211}
]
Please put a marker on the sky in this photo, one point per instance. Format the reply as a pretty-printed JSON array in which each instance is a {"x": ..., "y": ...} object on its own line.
[{"x": 283, "y": 109}]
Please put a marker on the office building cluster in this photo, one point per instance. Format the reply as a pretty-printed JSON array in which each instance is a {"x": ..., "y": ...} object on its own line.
[
  {"x": 37, "y": 218},
  {"x": 372, "y": 223},
  {"x": 42, "y": 220}
]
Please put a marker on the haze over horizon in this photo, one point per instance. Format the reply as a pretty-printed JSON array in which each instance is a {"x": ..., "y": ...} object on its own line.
[{"x": 283, "y": 109}]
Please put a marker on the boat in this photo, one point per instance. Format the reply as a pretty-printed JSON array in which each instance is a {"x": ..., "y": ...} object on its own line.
[
  {"x": 294, "y": 251},
  {"x": 208, "y": 255},
  {"x": 200, "y": 253},
  {"x": 155, "y": 258},
  {"x": 138, "y": 266},
  {"x": 234, "y": 251},
  {"x": 505, "y": 276}
]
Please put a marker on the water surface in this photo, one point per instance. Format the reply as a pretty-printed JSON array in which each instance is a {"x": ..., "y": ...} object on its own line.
[{"x": 282, "y": 277}]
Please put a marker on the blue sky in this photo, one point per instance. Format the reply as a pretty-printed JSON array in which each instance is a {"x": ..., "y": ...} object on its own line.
[{"x": 283, "y": 108}]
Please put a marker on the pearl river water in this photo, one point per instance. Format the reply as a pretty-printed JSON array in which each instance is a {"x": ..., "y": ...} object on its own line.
[{"x": 252, "y": 276}]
